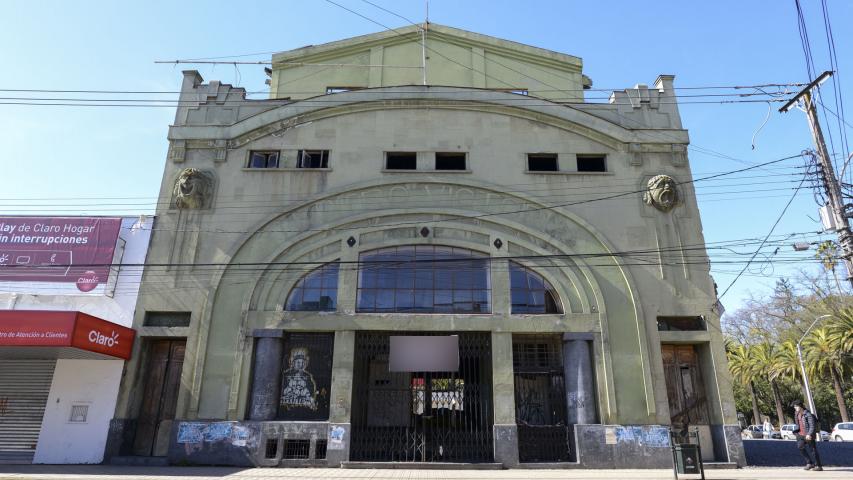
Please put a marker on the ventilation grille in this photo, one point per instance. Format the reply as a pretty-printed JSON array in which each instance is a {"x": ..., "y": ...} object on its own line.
[
  {"x": 271, "y": 448},
  {"x": 296, "y": 449},
  {"x": 320, "y": 449}
]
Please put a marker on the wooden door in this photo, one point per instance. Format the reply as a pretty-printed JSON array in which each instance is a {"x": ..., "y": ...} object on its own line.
[
  {"x": 159, "y": 396},
  {"x": 684, "y": 385}
]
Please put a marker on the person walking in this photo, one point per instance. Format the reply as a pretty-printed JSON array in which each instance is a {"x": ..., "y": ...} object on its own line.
[
  {"x": 767, "y": 428},
  {"x": 806, "y": 431}
]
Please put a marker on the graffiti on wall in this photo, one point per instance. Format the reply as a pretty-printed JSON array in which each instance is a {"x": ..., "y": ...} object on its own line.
[
  {"x": 646, "y": 436},
  {"x": 300, "y": 389},
  {"x": 195, "y": 436}
]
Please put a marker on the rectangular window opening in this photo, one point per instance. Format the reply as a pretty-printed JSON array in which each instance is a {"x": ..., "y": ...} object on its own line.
[
  {"x": 313, "y": 159},
  {"x": 296, "y": 449},
  {"x": 167, "y": 319},
  {"x": 401, "y": 161},
  {"x": 450, "y": 161},
  {"x": 271, "y": 448},
  {"x": 591, "y": 163},
  {"x": 681, "y": 324},
  {"x": 263, "y": 159},
  {"x": 79, "y": 413},
  {"x": 542, "y": 162},
  {"x": 320, "y": 449}
]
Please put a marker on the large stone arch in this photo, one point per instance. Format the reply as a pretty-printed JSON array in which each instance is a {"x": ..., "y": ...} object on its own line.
[{"x": 220, "y": 369}]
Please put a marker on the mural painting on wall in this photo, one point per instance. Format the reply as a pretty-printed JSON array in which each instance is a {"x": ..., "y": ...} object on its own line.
[{"x": 306, "y": 379}]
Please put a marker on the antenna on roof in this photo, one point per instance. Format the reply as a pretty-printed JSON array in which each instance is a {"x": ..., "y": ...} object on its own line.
[{"x": 423, "y": 40}]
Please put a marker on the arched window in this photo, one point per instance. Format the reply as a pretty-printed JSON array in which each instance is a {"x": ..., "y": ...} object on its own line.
[
  {"x": 531, "y": 293},
  {"x": 423, "y": 279},
  {"x": 317, "y": 291}
]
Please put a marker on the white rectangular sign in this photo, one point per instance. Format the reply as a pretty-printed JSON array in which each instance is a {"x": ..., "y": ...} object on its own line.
[{"x": 410, "y": 353}]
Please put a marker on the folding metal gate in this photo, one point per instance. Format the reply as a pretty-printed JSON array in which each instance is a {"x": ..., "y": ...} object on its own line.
[
  {"x": 422, "y": 416},
  {"x": 540, "y": 399},
  {"x": 24, "y": 388}
]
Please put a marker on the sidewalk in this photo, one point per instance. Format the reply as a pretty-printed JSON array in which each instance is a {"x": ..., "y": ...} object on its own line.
[{"x": 105, "y": 472}]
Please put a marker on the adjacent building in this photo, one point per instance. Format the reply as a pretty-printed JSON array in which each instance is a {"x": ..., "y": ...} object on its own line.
[
  {"x": 426, "y": 246},
  {"x": 67, "y": 294}
]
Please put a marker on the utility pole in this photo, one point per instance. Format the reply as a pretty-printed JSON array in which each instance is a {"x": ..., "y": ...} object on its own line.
[{"x": 830, "y": 181}]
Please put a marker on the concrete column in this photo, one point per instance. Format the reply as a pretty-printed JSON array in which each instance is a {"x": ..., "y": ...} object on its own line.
[
  {"x": 580, "y": 390},
  {"x": 503, "y": 398},
  {"x": 340, "y": 410},
  {"x": 266, "y": 374},
  {"x": 501, "y": 304}
]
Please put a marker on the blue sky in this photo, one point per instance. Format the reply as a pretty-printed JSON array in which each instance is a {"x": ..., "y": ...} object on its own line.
[{"x": 88, "y": 160}]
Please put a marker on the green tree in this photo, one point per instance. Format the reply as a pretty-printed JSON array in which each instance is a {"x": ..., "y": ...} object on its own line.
[
  {"x": 827, "y": 359},
  {"x": 742, "y": 368},
  {"x": 841, "y": 331},
  {"x": 765, "y": 356}
]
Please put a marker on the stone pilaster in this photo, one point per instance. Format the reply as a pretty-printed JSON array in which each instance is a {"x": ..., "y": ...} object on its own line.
[
  {"x": 503, "y": 395},
  {"x": 580, "y": 390},
  {"x": 266, "y": 374}
]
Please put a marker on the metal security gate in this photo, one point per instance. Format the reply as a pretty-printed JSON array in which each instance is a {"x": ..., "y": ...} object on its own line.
[
  {"x": 24, "y": 387},
  {"x": 540, "y": 399},
  {"x": 422, "y": 416}
]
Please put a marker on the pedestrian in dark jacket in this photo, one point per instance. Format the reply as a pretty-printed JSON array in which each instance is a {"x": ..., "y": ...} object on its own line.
[{"x": 806, "y": 431}]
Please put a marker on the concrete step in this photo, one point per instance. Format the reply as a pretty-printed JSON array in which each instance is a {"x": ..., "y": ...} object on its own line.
[
  {"x": 424, "y": 465},
  {"x": 139, "y": 461}
]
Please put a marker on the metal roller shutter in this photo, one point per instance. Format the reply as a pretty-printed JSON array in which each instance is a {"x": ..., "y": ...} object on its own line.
[{"x": 24, "y": 387}]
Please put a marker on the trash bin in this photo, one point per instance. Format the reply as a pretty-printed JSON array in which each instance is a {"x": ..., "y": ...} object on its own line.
[{"x": 687, "y": 458}]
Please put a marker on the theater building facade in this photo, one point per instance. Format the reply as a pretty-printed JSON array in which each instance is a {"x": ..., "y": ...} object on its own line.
[{"x": 463, "y": 263}]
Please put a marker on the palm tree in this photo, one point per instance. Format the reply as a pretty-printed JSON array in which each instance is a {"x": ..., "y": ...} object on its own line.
[
  {"x": 742, "y": 368},
  {"x": 786, "y": 364},
  {"x": 841, "y": 331},
  {"x": 765, "y": 356},
  {"x": 826, "y": 359}
]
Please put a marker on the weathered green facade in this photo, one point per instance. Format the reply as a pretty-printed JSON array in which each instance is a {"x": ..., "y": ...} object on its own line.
[{"x": 235, "y": 246}]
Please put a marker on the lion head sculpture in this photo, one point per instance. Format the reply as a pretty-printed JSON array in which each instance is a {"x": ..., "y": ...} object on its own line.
[
  {"x": 193, "y": 189},
  {"x": 661, "y": 193}
]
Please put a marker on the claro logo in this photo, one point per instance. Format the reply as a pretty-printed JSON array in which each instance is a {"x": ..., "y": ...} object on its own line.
[{"x": 101, "y": 339}]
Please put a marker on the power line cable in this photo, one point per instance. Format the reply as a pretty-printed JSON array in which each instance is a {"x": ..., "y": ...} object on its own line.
[{"x": 778, "y": 219}]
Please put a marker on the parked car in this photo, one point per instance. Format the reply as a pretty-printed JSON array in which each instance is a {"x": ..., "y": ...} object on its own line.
[
  {"x": 842, "y": 432},
  {"x": 752, "y": 432},
  {"x": 788, "y": 433},
  {"x": 774, "y": 434}
]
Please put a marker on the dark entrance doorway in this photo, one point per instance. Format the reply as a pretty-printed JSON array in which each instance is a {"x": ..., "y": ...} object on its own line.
[
  {"x": 685, "y": 389},
  {"x": 540, "y": 399},
  {"x": 422, "y": 416},
  {"x": 159, "y": 397}
]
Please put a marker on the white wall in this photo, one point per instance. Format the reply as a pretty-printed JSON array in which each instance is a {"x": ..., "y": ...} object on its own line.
[
  {"x": 92, "y": 382},
  {"x": 78, "y": 382}
]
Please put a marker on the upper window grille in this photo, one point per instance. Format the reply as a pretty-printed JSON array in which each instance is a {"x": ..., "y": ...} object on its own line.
[
  {"x": 424, "y": 279},
  {"x": 531, "y": 293},
  {"x": 317, "y": 291}
]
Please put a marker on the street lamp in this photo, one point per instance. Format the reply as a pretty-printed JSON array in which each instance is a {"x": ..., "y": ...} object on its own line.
[{"x": 803, "y": 365}]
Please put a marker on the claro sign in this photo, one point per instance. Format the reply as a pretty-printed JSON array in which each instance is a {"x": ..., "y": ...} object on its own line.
[
  {"x": 38, "y": 328},
  {"x": 76, "y": 250}
]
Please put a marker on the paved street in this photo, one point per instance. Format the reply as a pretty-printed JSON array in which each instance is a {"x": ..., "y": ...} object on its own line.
[{"x": 98, "y": 472}]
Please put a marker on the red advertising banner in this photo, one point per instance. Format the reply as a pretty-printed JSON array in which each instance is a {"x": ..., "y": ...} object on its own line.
[
  {"x": 38, "y": 328},
  {"x": 75, "y": 250}
]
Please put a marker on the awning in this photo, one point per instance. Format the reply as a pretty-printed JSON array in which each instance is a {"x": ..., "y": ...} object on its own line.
[{"x": 62, "y": 334}]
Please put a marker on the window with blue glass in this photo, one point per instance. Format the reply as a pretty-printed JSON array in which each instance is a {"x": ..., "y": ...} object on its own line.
[
  {"x": 317, "y": 291},
  {"x": 424, "y": 279},
  {"x": 531, "y": 293}
]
